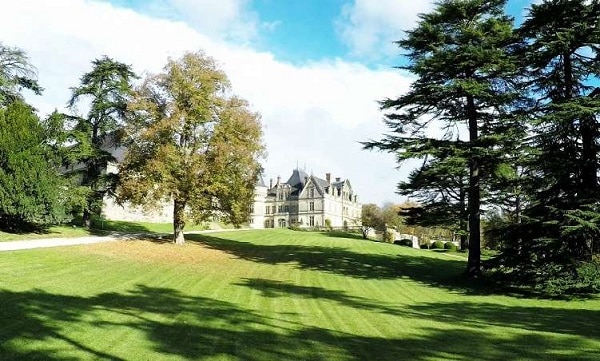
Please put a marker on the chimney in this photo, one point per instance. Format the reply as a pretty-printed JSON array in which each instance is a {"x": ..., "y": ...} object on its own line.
[
  {"x": 328, "y": 177},
  {"x": 337, "y": 179},
  {"x": 270, "y": 183},
  {"x": 278, "y": 179}
]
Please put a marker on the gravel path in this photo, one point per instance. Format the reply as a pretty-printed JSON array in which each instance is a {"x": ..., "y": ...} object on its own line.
[
  {"x": 59, "y": 242},
  {"x": 54, "y": 242}
]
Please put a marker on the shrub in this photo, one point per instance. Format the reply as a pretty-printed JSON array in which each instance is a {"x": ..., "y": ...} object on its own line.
[
  {"x": 424, "y": 246},
  {"x": 450, "y": 246},
  {"x": 437, "y": 245},
  {"x": 388, "y": 236},
  {"x": 589, "y": 276}
]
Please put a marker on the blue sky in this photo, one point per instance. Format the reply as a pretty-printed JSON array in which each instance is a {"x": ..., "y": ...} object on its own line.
[
  {"x": 314, "y": 69},
  {"x": 300, "y": 31}
]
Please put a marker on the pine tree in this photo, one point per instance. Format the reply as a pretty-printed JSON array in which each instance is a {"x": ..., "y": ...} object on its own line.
[
  {"x": 16, "y": 74},
  {"x": 105, "y": 91},
  {"x": 459, "y": 53},
  {"x": 560, "y": 223}
]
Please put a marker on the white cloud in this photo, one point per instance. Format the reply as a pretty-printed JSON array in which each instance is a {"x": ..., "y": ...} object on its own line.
[
  {"x": 314, "y": 114},
  {"x": 370, "y": 27},
  {"x": 223, "y": 19}
]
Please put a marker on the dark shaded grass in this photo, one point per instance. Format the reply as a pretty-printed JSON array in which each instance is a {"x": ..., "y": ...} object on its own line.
[{"x": 225, "y": 329}]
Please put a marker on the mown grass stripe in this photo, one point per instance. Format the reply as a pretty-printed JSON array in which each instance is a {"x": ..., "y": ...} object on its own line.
[{"x": 272, "y": 295}]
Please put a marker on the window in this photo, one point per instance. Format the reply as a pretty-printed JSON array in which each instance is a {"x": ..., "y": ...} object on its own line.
[
  {"x": 267, "y": 209},
  {"x": 280, "y": 196},
  {"x": 280, "y": 210},
  {"x": 311, "y": 192},
  {"x": 311, "y": 206},
  {"x": 311, "y": 221},
  {"x": 251, "y": 208},
  {"x": 286, "y": 208}
]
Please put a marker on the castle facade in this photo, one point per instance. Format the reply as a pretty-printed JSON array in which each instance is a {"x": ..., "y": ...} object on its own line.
[{"x": 305, "y": 201}]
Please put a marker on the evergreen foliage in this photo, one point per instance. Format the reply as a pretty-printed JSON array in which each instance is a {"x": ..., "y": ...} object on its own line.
[
  {"x": 559, "y": 233},
  {"x": 32, "y": 193},
  {"x": 105, "y": 91},
  {"x": 16, "y": 74},
  {"x": 459, "y": 53},
  {"x": 440, "y": 187}
]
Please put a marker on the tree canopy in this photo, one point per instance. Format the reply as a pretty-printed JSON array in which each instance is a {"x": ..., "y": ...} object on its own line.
[
  {"x": 459, "y": 54},
  {"x": 105, "y": 91},
  {"x": 32, "y": 192},
  {"x": 16, "y": 74},
  {"x": 518, "y": 109},
  {"x": 191, "y": 142}
]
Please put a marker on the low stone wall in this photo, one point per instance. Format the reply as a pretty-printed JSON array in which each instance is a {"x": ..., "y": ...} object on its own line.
[{"x": 114, "y": 212}]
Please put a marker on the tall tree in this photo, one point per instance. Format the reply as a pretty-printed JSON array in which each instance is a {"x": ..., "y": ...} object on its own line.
[
  {"x": 561, "y": 225},
  {"x": 105, "y": 92},
  {"x": 16, "y": 73},
  {"x": 191, "y": 143},
  {"x": 459, "y": 53},
  {"x": 32, "y": 193},
  {"x": 371, "y": 219}
]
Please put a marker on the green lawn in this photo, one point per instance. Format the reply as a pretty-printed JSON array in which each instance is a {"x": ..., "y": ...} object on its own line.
[{"x": 273, "y": 295}]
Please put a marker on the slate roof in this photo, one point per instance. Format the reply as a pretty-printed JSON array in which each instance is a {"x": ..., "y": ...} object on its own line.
[
  {"x": 297, "y": 182},
  {"x": 320, "y": 184},
  {"x": 297, "y": 178}
]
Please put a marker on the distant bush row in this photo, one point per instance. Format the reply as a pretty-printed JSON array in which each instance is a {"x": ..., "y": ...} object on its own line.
[{"x": 440, "y": 245}]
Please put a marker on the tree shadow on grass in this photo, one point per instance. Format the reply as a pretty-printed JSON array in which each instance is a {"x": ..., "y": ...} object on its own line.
[
  {"x": 101, "y": 227},
  {"x": 190, "y": 327},
  {"x": 577, "y": 322},
  {"x": 422, "y": 268},
  {"x": 275, "y": 289}
]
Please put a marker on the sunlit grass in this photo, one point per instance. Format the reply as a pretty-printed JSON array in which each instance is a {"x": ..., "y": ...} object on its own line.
[{"x": 273, "y": 295}]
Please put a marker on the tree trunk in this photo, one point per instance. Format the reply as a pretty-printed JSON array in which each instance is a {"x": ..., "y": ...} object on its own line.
[
  {"x": 178, "y": 221},
  {"x": 463, "y": 220},
  {"x": 86, "y": 218},
  {"x": 474, "y": 261},
  {"x": 589, "y": 176},
  {"x": 365, "y": 232}
]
